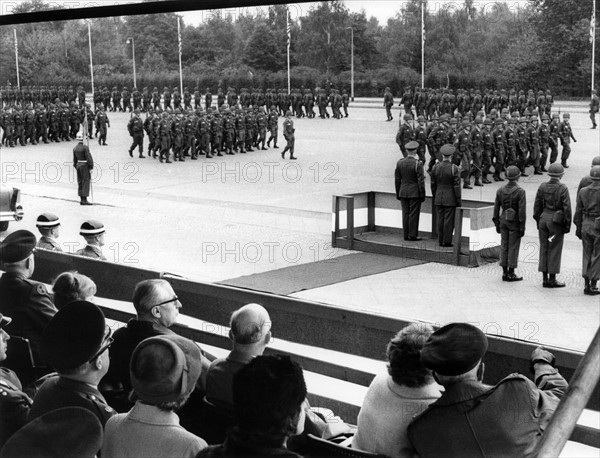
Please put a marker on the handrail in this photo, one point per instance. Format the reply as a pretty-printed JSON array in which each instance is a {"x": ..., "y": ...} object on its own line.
[{"x": 569, "y": 409}]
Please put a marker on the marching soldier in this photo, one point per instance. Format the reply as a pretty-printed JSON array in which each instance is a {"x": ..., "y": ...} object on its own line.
[
  {"x": 273, "y": 127},
  {"x": 421, "y": 137},
  {"x": 543, "y": 133},
  {"x": 177, "y": 136},
  {"x": 521, "y": 143},
  {"x": 207, "y": 99},
  {"x": 167, "y": 98},
  {"x": 156, "y": 99},
  {"x": 116, "y": 100},
  {"x": 594, "y": 106},
  {"x": 289, "y": 135},
  {"x": 261, "y": 124},
  {"x": 135, "y": 126},
  {"x": 463, "y": 146},
  {"x": 410, "y": 190},
  {"x": 83, "y": 163},
  {"x": 552, "y": 212},
  {"x": 554, "y": 134},
  {"x": 164, "y": 137},
  {"x": 93, "y": 233},
  {"x": 533, "y": 142},
  {"x": 499, "y": 149},
  {"x": 149, "y": 129},
  {"x": 476, "y": 149},
  {"x": 49, "y": 226},
  {"x": 137, "y": 98},
  {"x": 102, "y": 125},
  {"x": 445, "y": 188},
  {"x": 587, "y": 221},
  {"x": 405, "y": 133},
  {"x": 126, "y": 95},
  {"x": 566, "y": 134},
  {"x": 487, "y": 142},
  {"x": 41, "y": 125},
  {"x": 388, "y": 103},
  {"x": 510, "y": 224}
]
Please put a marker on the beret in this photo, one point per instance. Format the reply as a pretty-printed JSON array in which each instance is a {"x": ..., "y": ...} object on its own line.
[
  {"x": 91, "y": 227},
  {"x": 68, "y": 432},
  {"x": 164, "y": 368},
  {"x": 454, "y": 349},
  {"x": 17, "y": 246},
  {"x": 447, "y": 150},
  {"x": 412, "y": 145},
  {"x": 73, "y": 335},
  {"x": 47, "y": 220},
  {"x": 4, "y": 320}
]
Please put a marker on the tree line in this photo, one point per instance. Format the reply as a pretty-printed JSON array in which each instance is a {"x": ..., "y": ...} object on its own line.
[{"x": 533, "y": 44}]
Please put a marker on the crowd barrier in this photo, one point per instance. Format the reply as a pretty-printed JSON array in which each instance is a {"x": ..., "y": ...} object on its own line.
[
  {"x": 295, "y": 320},
  {"x": 359, "y": 218}
]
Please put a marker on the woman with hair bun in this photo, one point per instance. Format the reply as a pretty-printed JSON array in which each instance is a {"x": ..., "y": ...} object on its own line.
[{"x": 72, "y": 286}]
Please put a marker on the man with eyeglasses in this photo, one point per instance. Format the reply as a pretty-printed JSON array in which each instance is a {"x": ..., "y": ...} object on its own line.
[
  {"x": 157, "y": 308},
  {"x": 75, "y": 343}
]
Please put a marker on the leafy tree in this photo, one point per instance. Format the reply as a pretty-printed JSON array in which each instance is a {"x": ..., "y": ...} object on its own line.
[{"x": 262, "y": 51}]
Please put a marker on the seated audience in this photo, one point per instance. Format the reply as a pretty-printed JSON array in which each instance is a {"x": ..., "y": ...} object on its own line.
[
  {"x": 49, "y": 226},
  {"x": 72, "y": 286},
  {"x": 164, "y": 372},
  {"x": 93, "y": 233},
  {"x": 394, "y": 397},
  {"x": 14, "y": 404},
  {"x": 157, "y": 308},
  {"x": 268, "y": 396},
  {"x": 475, "y": 419},
  {"x": 75, "y": 343}
]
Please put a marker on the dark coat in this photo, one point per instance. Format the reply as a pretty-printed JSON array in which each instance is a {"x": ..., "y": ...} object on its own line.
[
  {"x": 410, "y": 178},
  {"x": 445, "y": 185}
]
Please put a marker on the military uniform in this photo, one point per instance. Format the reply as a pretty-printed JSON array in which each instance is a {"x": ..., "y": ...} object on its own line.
[
  {"x": 14, "y": 405},
  {"x": 102, "y": 124},
  {"x": 405, "y": 134},
  {"x": 594, "y": 106},
  {"x": 552, "y": 212},
  {"x": 446, "y": 192},
  {"x": 83, "y": 163},
  {"x": 410, "y": 191},
  {"x": 566, "y": 135},
  {"x": 91, "y": 251},
  {"x": 135, "y": 126},
  {"x": 289, "y": 135},
  {"x": 48, "y": 243}
]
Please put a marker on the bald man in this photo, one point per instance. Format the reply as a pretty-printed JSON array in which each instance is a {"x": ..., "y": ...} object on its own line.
[{"x": 250, "y": 333}]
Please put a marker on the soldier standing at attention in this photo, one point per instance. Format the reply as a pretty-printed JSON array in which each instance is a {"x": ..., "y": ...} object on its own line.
[
  {"x": 445, "y": 188},
  {"x": 289, "y": 135},
  {"x": 83, "y": 163},
  {"x": 587, "y": 220},
  {"x": 594, "y": 106},
  {"x": 410, "y": 190},
  {"x": 135, "y": 126},
  {"x": 566, "y": 134},
  {"x": 552, "y": 212},
  {"x": 93, "y": 233},
  {"x": 511, "y": 223},
  {"x": 388, "y": 103}
]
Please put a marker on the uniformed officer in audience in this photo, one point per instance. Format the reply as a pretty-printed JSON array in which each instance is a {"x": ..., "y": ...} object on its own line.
[
  {"x": 587, "y": 221},
  {"x": 410, "y": 190},
  {"x": 552, "y": 212},
  {"x": 511, "y": 199},
  {"x": 446, "y": 191},
  {"x": 14, "y": 403},
  {"x": 49, "y": 226},
  {"x": 75, "y": 343},
  {"x": 93, "y": 233},
  {"x": 26, "y": 301}
]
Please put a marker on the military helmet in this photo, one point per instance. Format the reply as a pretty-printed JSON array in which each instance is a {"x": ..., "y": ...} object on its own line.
[
  {"x": 595, "y": 173},
  {"x": 512, "y": 120},
  {"x": 596, "y": 161},
  {"x": 444, "y": 118},
  {"x": 408, "y": 117},
  {"x": 555, "y": 116},
  {"x": 534, "y": 119},
  {"x": 488, "y": 122},
  {"x": 453, "y": 121},
  {"x": 556, "y": 170},
  {"x": 493, "y": 111},
  {"x": 466, "y": 123},
  {"x": 566, "y": 116},
  {"x": 421, "y": 118},
  {"x": 522, "y": 119},
  {"x": 478, "y": 120},
  {"x": 513, "y": 172},
  {"x": 545, "y": 117},
  {"x": 435, "y": 118},
  {"x": 515, "y": 114}
]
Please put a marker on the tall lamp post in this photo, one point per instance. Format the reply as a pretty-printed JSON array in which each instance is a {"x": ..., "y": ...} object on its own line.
[
  {"x": 130, "y": 40},
  {"x": 351, "y": 63}
]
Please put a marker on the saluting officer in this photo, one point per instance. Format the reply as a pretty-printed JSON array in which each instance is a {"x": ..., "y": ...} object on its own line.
[
  {"x": 552, "y": 212},
  {"x": 410, "y": 190},
  {"x": 587, "y": 220},
  {"x": 83, "y": 163},
  {"x": 510, "y": 224},
  {"x": 445, "y": 188},
  {"x": 49, "y": 226}
]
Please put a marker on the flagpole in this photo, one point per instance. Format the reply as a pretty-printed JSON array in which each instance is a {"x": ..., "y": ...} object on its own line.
[
  {"x": 180, "y": 70},
  {"x": 422, "y": 44},
  {"x": 289, "y": 40},
  {"x": 17, "y": 58},
  {"x": 593, "y": 32},
  {"x": 91, "y": 63}
]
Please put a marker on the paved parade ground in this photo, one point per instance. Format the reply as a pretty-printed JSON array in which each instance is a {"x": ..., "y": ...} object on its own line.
[{"x": 231, "y": 216}]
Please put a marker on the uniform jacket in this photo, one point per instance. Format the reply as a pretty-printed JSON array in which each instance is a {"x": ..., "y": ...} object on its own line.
[
  {"x": 29, "y": 304},
  {"x": 588, "y": 204},
  {"x": 82, "y": 153},
  {"x": 58, "y": 392},
  {"x": 91, "y": 251},
  {"x": 445, "y": 184},
  {"x": 511, "y": 195},
  {"x": 48, "y": 243},
  {"x": 236, "y": 445},
  {"x": 410, "y": 178},
  {"x": 476, "y": 420},
  {"x": 550, "y": 197},
  {"x": 14, "y": 405}
]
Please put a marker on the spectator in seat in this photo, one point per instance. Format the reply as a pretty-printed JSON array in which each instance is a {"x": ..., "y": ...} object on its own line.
[
  {"x": 72, "y": 286},
  {"x": 14, "y": 404},
  {"x": 164, "y": 372},
  {"x": 394, "y": 397},
  {"x": 268, "y": 396},
  {"x": 475, "y": 419},
  {"x": 75, "y": 343}
]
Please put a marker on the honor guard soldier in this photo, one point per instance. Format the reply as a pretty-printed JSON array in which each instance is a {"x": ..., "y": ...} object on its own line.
[
  {"x": 75, "y": 343},
  {"x": 83, "y": 163},
  {"x": 93, "y": 233},
  {"x": 49, "y": 226},
  {"x": 410, "y": 190},
  {"x": 587, "y": 221},
  {"x": 273, "y": 126},
  {"x": 543, "y": 133},
  {"x": 594, "y": 106},
  {"x": 14, "y": 403},
  {"x": 405, "y": 133},
  {"x": 26, "y": 301},
  {"x": 552, "y": 212},
  {"x": 510, "y": 223},
  {"x": 289, "y": 135},
  {"x": 135, "y": 126},
  {"x": 446, "y": 192},
  {"x": 102, "y": 125},
  {"x": 554, "y": 135},
  {"x": 566, "y": 134},
  {"x": 388, "y": 103}
]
